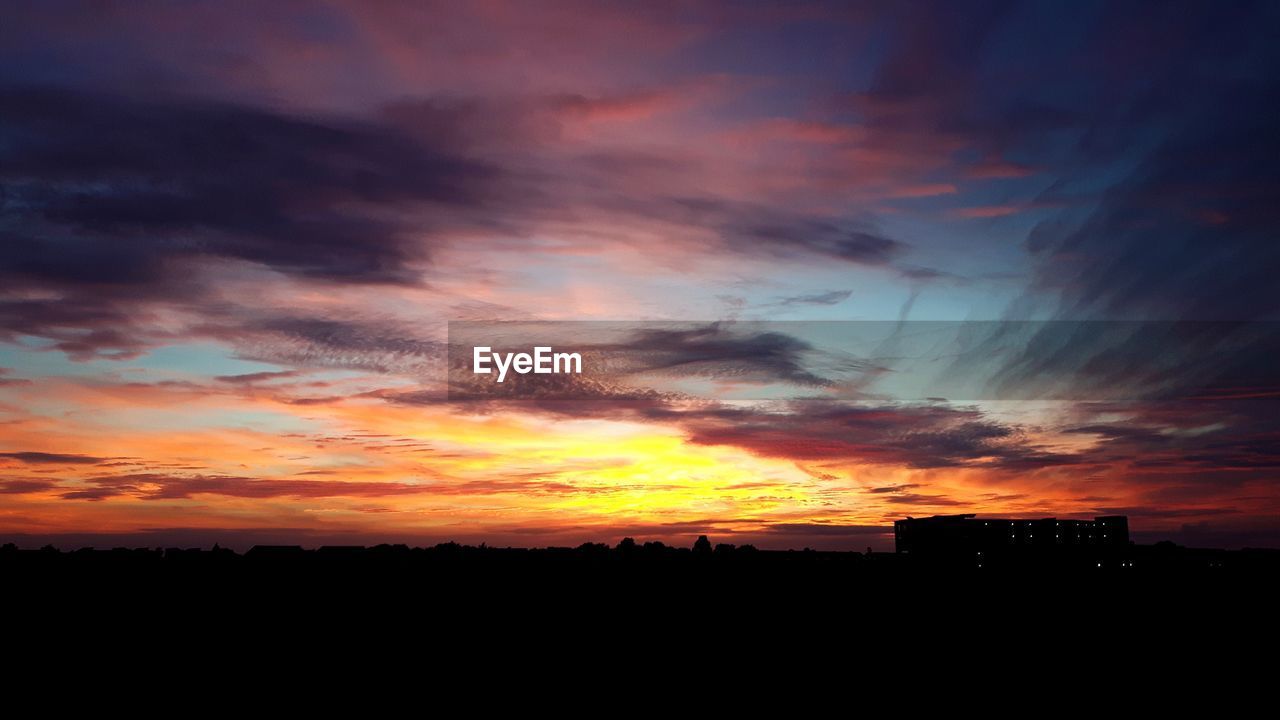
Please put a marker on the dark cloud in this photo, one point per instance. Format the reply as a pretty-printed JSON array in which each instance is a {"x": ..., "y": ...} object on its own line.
[
  {"x": 83, "y": 322},
  {"x": 102, "y": 189},
  {"x": 914, "y": 436},
  {"x": 924, "y": 273},
  {"x": 51, "y": 458},
  {"x": 892, "y": 488},
  {"x": 158, "y": 486},
  {"x": 831, "y": 297},
  {"x": 720, "y": 352},
  {"x": 250, "y": 378},
  {"x": 109, "y": 204},
  {"x": 1234, "y": 435},
  {"x": 94, "y": 494},
  {"x": 927, "y": 500},
  {"x": 534, "y": 485},
  {"x": 25, "y": 486},
  {"x": 239, "y": 539},
  {"x": 826, "y": 529},
  {"x": 1162, "y": 513},
  {"x": 760, "y": 230}
]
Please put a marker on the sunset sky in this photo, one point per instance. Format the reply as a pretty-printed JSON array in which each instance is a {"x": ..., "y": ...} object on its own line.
[{"x": 233, "y": 236}]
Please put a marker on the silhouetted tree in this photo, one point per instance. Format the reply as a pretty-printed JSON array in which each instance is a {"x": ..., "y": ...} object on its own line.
[{"x": 702, "y": 545}]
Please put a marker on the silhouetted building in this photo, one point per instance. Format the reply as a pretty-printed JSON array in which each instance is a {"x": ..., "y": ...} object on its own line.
[{"x": 968, "y": 537}]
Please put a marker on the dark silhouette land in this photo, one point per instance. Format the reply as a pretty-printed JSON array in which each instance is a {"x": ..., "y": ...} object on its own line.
[
  {"x": 733, "y": 591},
  {"x": 950, "y": 544}
]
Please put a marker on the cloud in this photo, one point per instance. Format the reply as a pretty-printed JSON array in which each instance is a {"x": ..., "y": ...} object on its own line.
[
  {"x": 1145, "y": 252},
  {"x": 360, "y": 341},
  {"x": 159, "y": 486},
  {"x": 1178, "y": 214},
  {"x": 1178, "y": 436},
  {"x": 773, "y": 233},
  {"x": 25, "y": 486},
  {"x": 988, "y": 211},
  {"x": 11, "y": 381},
  {"x": 826, "y": 529},
  {"x": 250, "y": 378},
  {"x": 831, "y": 297},
  {"x": 893, "y": 488},
  {"x": 114, "y": 187},
  {"x": 926, "y": 500},
  {"x": 722, "y": 352},
  {"x": 44, "y": 458},
  {"x": 740, "y": 226},
  {"x": 112, "y": 208},
  {"x": 122, "y": 216},
  {"x": 1096, "y": 360},
  {"x": 94, "y": 494},
  {"x": 927, "y": 436}
]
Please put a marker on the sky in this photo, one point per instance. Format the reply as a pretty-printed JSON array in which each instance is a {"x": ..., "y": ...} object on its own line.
[{"x": 861, "y": 261}]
